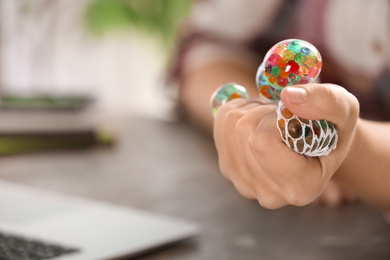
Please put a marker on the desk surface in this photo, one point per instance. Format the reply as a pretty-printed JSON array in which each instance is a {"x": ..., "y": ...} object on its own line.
[{"x": 172, "y": 169}]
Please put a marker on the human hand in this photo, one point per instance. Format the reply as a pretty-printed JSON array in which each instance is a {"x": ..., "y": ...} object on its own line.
[{"x": 255, "y": 159}]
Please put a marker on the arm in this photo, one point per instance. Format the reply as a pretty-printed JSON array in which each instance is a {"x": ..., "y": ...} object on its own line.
[{"x": 366, "y": 169}]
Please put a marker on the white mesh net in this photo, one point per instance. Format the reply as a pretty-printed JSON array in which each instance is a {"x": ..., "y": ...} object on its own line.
[{"x": 307, "y": 137}]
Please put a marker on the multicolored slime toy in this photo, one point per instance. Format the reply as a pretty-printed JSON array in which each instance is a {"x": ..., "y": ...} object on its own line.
[{"x": 287, "y": 63}]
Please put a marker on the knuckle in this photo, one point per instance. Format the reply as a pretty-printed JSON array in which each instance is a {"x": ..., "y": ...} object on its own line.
[
  {"x": 245, "y": 193},
  {"x": 255, "y": 145},
  {"x": 349, "y": 100},
  {"x": 354, "y": 106},
  {"x": 329, "y": 98},
  {"x": 224, "y": 169},
  {"x": 243, "y": 189},
  {"x": 339, "y": 99},
  {"x": 226, "y": 107},
  {"x": 233, "y": 115},
  {"x": 242, "y": 127},
  {"x": 235, "y": 103},
  {"x": 297, "y": 196},
  {"x": 270, "y": 201}
]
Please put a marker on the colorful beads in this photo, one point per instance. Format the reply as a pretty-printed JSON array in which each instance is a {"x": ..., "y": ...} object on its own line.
[
  {"x": 267, "y": 93},
  {"x": 307, "y": 137},
  {"x": 292, "y": 67},
  {"x": 226, "y": 93},
  {"x": 287, "y": 63},
  {"x": 292, "y": 60},
  {"x": 294, "y": 46},
  {"x": 273, "y": 59},
  {"x": 275, "y": 71},
  {"x": 288, "y": 55},
  {"x": 300, "y": 58},
  {"x": 280, "y": 49},
  {"x": 304, "y": 70},
  {"x": 305, "y": 51}
]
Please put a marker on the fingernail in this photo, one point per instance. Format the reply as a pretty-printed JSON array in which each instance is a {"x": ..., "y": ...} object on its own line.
[{"x": 296, "y": 95}]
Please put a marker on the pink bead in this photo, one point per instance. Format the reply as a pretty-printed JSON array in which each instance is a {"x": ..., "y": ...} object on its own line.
[
  {"x": 313, "y": 73},
  {"x": 273, "y": 59}
]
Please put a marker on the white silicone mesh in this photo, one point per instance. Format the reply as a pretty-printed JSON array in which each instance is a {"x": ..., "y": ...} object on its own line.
[{"x": 315, "y": 138}]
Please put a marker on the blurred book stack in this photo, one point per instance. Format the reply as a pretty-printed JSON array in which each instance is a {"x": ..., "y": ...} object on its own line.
[{"x": 42, "y": 123}]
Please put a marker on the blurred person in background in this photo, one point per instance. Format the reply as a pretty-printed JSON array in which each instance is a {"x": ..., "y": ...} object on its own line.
[{"x": 225, "y": 41}]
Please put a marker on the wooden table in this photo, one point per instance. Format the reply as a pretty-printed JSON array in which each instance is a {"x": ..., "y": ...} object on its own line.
[{"x": 172, "y": 169}]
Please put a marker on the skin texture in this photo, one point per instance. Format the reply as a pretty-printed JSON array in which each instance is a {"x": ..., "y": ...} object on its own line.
[
  {"x": 250, "y": 149},
  {"x": 260, "y": 166}
]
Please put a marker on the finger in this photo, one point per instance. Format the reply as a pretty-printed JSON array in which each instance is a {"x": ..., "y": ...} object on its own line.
[
  {"x": 332, "y": 103},
  {"x": 230, "y": 164},
  {"x": 296, "y": 176},
  {"x": 248, "y": 123},
  {"x": 321, "y": 101},
  {"x": 219, "y": 119},
  {"x": 235, "y": 103},
  {"x": 238, "y": 171},
  {"x": 253, "y": 170}
]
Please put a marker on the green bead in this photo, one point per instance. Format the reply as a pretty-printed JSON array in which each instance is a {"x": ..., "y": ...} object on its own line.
[
  {"x": 331, "y": 126},
  {"x": 294, "y": 46},
  {"x": 288, "y": 55},
  {"x": 323, "y": 125},
  {"x": 300, "y": 58},
  {"x": 294, "y": 79},
  {"x": 307, "y": 131},
  {"x": 275, "y": 71},
  {"x": 225, "y": 93}
]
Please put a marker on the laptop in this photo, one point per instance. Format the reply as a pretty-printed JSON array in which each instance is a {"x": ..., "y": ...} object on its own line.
[{"x": 36, "y": 223}]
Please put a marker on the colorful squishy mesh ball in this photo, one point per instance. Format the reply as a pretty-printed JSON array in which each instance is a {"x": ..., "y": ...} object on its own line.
[
  {"x": 267, "y": 93},
  {"x": 287, "y": 63},
  {"x": 226, "y": 93},
  {"x": 308, "y": 137},
  {"x": 291, "y": 62}
]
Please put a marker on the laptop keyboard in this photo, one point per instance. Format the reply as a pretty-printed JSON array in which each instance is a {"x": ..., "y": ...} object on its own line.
[{"x": 19, "y": 248}]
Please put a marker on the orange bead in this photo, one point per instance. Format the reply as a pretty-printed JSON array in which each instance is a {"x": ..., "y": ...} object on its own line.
[
  {"x": 266, "y": 74},
  {"x": 234, "y": 96},
  {"x": 284, "y": 74},
  {"x": 272, "y": 79},
  {"x": 311, "y": 61},
  {"x": 264, "y": 92},
  {"x": 304, "y": 70},
  {"x": 282, "y": 123},
  {"x": 282, "y": 127},
  {"x": 282, "y": 64},
  {"x": 286, "y": 113},
  {"x": 281, "y": 48}
]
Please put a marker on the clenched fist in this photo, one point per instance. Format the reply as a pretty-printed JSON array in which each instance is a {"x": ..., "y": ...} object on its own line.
[{"x": 254, "y": 158}]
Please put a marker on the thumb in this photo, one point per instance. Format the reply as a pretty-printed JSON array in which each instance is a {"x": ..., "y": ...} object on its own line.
[{"x": 321, "y": 101}]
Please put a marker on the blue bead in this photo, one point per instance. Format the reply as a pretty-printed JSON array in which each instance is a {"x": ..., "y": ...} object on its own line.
[{"x": 305, "y": 50}]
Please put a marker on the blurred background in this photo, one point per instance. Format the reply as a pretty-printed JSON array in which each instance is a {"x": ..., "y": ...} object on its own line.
[{"x": 115, "y": 52}]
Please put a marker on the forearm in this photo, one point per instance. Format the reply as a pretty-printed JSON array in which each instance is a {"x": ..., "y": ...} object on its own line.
[
  {"x": 197, "y": 87},
  {"x": 366, "y": 170}
]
